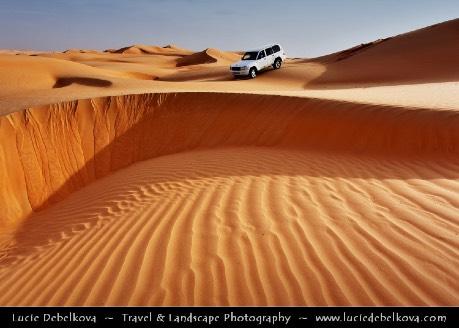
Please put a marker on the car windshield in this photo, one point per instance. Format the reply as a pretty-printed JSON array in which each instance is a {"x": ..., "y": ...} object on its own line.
[{"x": 252, "y": 55}]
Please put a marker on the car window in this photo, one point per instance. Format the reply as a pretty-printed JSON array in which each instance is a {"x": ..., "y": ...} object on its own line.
[
  {"x": 276, "y": 48},
  {"x": 261, "y": 54},
  {"x": 252, "y": 55},
  {"x": 269, "y": 51}
]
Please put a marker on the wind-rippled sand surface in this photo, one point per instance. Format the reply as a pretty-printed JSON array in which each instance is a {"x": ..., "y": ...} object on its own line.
[
  {"x": 147, "y": 176},
  {"x": 245, "y": 226}
]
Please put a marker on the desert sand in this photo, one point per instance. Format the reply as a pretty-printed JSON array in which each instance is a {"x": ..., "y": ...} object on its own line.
[{"x": 147, "y": 175}]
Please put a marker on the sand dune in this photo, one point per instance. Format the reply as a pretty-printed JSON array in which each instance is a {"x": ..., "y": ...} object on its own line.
[
  {"x": 210, "y": 55},
  {"x": 232, "y": 227},
  {"x": 416, "y": 69},
  {"x": 151, "y": 50},
  {"x": 148, "y": 176},
  {"x": 24, "y": 73},
  {"x": 279, "y": 197},
  {"x": 422, "y": 56},
  {"x": 91, "y": 138},
  {"x": 81, "y": 51}
]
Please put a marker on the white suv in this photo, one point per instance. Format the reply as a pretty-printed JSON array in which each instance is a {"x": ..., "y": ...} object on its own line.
[{"x": 256, "y": 60}]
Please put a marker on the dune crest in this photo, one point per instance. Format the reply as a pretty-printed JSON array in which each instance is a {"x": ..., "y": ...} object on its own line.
[
  {"x": 139, "y": 49},
  {"x": 208, "y": 56},
  {"x": 421, "y": 56},
  {"x": 278, "y": 209},
  {"x": 91, "y": 138},
  {"x": 149, "y": 176}
]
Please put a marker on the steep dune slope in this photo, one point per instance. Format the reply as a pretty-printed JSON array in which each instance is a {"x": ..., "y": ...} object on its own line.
[
  {"x": 63, "y": 147},
  {"x": 118, "y": 189},
  {"x": 418, "y": 69},
  {"x": 146, "y": 199},
  {"x": 425, "y": 55}
]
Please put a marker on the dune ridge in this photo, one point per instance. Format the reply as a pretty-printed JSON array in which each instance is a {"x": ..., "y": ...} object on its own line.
[
  {"x": 128, "y": 178},
  {"x": 139, "y": 49},
  {"x": 208, "y": 56},
  {"x": 415, "y": 69},
  {"x": 161, "y": 199},
  {"x": 420, "y": 56},
  {"x": 62, "y": 147}
]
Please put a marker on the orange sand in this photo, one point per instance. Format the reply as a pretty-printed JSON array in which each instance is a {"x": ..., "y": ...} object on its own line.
[{"x": 148, "y": 176}]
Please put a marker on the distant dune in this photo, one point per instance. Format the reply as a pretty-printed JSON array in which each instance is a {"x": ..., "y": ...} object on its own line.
[
  {"x": 151, "y": 50},
  {"x": 82, "y": 51},
  {"x": 149, "y": 176},
  {"x": 210, "y": 55}
]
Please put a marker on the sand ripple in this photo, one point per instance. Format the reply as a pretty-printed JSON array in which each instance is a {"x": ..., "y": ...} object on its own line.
[{"x": 234, "y": 227}]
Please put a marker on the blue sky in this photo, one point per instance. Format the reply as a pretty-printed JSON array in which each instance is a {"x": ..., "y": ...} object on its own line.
[{"x": 305, "y": 28}]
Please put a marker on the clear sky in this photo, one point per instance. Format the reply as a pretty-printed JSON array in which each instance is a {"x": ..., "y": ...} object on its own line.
[{"x": 305, "y": 28}]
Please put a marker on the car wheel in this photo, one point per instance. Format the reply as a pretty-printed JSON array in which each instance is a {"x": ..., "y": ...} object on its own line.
[
  {"x": 277, "y": 63},
  {"x": 253, "y": 73}
]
